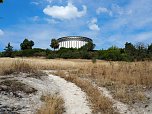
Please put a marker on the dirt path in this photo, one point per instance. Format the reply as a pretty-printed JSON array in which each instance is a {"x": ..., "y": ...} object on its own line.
[{"x": 75, "y": 99}]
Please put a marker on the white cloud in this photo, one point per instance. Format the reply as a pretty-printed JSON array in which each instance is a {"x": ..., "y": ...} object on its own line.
[
  {"x": 35, "y": 18},
  {"x": 142, "y": 36},
  {"x": 1, "y": 32},
  {"x": 35, "y": 3},
  {"x": 51, "y": 21},
  {"x": 50, "y": 1},
  {"x": 64, "y": 13},
  {"x": 93, "y": 25},
  {"x": 103, "y": 10},
  {"x": 115, "y": 10}
]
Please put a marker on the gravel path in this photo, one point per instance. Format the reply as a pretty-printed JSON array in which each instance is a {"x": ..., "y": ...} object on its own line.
[{"x": 74, "y": 98}]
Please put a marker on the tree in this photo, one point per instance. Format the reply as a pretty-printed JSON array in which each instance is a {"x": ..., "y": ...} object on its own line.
[
  {"x": 27, "y": 44},
  {"x": 150, "y": 48},
  {"x": 88, "y": 47},
  {"x": 1, "y": 1},
  {"x": 8, "y": 50},
  {"x": 149, "y": 51},
  {"x": 130, "y": 49},
  {"x": 54, "y": 44},
  {"x": 141, "y": 51}
]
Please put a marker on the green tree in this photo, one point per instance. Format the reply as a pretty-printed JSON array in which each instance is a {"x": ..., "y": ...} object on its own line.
[
  {"x": 130, "y": 49},
  {"x": 54, "y": 44},
  {"x": 8, "y": 50},
  {"x": 149, "y": 51},
  {"x": 141, "y": 51},
  {"x": 1, "y": 1},
  {"x": 88, "y": 46},
  {"x": 150, "y": 48},
  {"x": 27, "y": 44}
]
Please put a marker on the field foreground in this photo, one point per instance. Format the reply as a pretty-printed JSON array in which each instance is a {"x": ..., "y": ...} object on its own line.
[{"x": 29, "y": 85}]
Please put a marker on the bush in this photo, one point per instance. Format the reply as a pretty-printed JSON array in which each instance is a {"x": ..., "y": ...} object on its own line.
[
  {"x": 30, "y": 52},
  {"x": 52, "y": 56},
  {"x": 85, "y": 55}
]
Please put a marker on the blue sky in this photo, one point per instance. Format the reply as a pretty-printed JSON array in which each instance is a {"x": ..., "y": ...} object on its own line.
[{"x": 107, "y": 22}]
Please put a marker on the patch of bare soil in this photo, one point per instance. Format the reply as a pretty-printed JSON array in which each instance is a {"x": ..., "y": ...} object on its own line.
[
  {"x": 21, "y": 93},
  {"x": 75, "y": 99}
]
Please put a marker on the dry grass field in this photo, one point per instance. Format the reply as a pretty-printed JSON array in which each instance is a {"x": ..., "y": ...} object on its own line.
[
  {"x": 126, "y": 81},
  {"x": 53, "y": 105}
]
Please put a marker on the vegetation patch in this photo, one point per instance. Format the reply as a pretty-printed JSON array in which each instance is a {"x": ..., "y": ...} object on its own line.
[
  {"x": 52, "y": 105},
  {"x": 126, "y": 81},
  {"x": 15, "y": 86},
  {"x": 98, "y": 101},
  {"x": 17, "y": 66},
  {"x": 37, "y": 75}
]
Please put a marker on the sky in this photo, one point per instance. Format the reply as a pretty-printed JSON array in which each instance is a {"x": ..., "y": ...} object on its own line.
[{"x": 107, "y": 22}]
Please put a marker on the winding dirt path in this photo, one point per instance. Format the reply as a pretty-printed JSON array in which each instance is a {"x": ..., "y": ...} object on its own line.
[{"x": 75, "y": 99}]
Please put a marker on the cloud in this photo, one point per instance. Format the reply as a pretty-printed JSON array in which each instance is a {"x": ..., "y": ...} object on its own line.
[
  {"x": 51, "y": 21},
  {"x": 35, "y": 18},
  {"x": 50, "y": 1},
  {"x": 1, "y": 32},
  {"x": 64, "y": 13},
  {"x": 93, "y": 25},
  {"x": 35, "y": 3},
  {"x": 114, "y": 10},
  {"x": 117, "y": 10},
  {"x": 142, "y": 36},
  {"x": 103, "y": 10}
]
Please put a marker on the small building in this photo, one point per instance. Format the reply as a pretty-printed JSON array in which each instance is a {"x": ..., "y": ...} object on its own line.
[{"x": 73, "y": 41}]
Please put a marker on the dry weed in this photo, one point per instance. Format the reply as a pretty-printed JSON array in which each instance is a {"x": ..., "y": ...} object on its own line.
[
  {"x": 135, "y": 77},
  {"x": 98, "y": 101},
  {"x": 53, "y": 105}
]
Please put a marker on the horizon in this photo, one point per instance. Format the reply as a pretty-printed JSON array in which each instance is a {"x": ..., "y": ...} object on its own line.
[{"x": 107, "y": 23}]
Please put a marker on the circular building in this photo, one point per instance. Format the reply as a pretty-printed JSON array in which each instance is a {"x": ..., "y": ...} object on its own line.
[{"x": 73, "y": 41}]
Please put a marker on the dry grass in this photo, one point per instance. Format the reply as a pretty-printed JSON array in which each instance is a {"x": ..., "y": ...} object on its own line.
[
  {"x": 53, "y": 105},
  {"x": 16, "y": 66},
  {"x": 126, "y": 81},
  {"x": 99, "y": 102}
]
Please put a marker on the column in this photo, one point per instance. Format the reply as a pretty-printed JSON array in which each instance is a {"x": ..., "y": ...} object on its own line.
[
  {"x": 81, "y": 43},
  {"x": 74, "y": 44},
  {"x": 70, "y": 44},
  {"x": 61, "y": 44},
  {"x": 64, "y": 44},
  {"x": 77, "y": 44},
  {"x": 67, "y": 44}
]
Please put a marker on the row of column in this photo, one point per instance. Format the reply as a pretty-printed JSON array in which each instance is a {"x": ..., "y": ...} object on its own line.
[{"x": 72, "y": 44}]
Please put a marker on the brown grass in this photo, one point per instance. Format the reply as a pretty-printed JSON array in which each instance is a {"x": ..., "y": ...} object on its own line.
[
  {"x": 123, "y": 79},
  {"x": 126, "y": 81},
  {"x": 16, "y": 66},
  {"x": 99, "y": 102},
  {"x": 53, "y": 105}
]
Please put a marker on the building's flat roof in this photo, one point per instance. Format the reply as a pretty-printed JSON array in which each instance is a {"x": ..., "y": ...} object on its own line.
[{"x": 78, "y": 38}]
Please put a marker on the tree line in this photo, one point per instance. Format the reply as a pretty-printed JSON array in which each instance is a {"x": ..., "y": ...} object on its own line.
[{"x": 130, "y": 52}]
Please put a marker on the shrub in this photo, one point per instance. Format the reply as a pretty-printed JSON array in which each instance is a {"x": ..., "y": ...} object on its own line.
[{"x": 52, "y": 56}]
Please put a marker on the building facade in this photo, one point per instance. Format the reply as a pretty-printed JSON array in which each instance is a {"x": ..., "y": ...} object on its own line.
[{"x": 73, "y": 41}]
